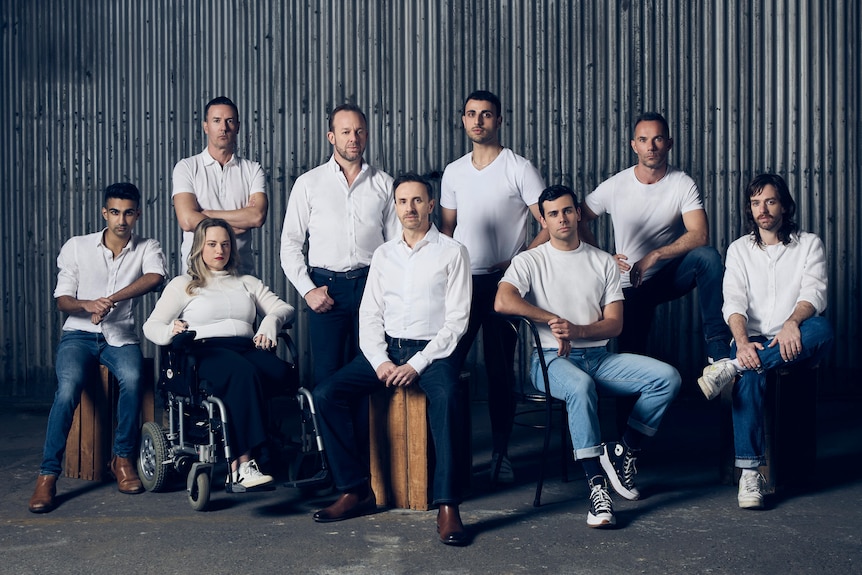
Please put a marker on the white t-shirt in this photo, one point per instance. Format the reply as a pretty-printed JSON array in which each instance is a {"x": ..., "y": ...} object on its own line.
[
  {"x": 220, "y": 188},
  {"x": 575, "y": 285},
  {"x": 492, "y": 204},
  {"x": 645, "y": 216}
]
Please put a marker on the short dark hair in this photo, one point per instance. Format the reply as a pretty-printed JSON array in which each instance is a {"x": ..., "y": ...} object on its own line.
[
  {"x": 651, "y": 117},
  {"x": 412, "y": 177},
  {"x": 221, "y": 101},
  {"x": 552, "y": 193},
  {"x": 483, "y": 96},
  {"x": 123, "y": 191},
  {"x": 755, "y": 188},
  {"x": 347, "y": 107}
]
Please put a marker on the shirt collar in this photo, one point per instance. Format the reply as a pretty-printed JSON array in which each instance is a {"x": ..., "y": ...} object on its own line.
[
  {"x": 334, "y": 167},
  {"x": 100, "y": 241},
  {"x": 431, "y": 237},
  {"x": 209, "y": 160}
]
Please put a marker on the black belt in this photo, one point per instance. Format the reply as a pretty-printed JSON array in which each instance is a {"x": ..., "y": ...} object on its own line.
[
  {"x": 348, "y": 275},
  {"x": 400, "y": 342}
]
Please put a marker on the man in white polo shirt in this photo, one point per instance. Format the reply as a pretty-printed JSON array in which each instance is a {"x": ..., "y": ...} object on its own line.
[
  {"x": 217, "y": 183},
  {"x": 99, "y": 276}
]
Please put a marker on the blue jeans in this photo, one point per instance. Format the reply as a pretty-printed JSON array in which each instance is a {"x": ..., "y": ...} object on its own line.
[
  {"x": 347, "y": 443},
  {"x": 750, "y": 389},
  {"x": 702, "y": 268},
  {"x": 78, "y": 356},
  {"x": 577, "y": 378}
]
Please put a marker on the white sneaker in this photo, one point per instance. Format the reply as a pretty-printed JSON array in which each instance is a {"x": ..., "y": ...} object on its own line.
[
  {"x": 715, "y": 377},
  {"x": 601, "y": 514},
  {"x": 750, "y": 490},
  {"x": 506, "y": 474},
  {"x": 248, "y": 475}
]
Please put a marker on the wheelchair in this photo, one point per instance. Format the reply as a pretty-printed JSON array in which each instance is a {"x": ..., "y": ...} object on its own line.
[{"x": 197, "y": 438}]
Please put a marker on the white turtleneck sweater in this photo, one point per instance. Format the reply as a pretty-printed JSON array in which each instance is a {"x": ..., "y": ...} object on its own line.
[{"x": 227, "y": 306}]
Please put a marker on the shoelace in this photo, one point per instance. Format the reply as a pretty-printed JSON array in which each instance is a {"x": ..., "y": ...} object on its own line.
[
  {"x": 751, "y": 483},
  {"x": 629, "y": 469},
  {"x": 601, "y": 499}
]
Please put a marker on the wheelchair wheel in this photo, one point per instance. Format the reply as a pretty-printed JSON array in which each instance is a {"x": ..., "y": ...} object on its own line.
[
  {"x": 199, "y": 496},
  {"x": 153, "y": 453}
]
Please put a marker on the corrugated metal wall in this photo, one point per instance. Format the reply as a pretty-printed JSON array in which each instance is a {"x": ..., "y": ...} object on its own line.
[{"x": 97, "y": 92}]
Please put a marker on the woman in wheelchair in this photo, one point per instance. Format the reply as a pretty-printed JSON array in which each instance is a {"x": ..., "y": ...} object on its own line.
[{"x": 235, "y": 361}]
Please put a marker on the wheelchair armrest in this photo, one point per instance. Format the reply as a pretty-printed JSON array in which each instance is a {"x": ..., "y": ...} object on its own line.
[
  {"x": 284, "y": 336},
  {"x": 182, "y": 341}
]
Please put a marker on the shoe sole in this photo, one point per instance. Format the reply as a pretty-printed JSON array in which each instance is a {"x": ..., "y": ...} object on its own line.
[
  {"x": 614, "y": 479},
  {"x": 605, "y": 524},
  {"x": 750, "y": 504},
  {"x": 708, "y": 390}
]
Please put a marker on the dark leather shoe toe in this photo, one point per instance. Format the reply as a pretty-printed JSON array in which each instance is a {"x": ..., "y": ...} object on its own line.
[
  {"x": 43, "y": 499},
  {"x": 449, "y": 526},
  {"x": 128, "y": 482},
  {"x": 348, "y": 506}
]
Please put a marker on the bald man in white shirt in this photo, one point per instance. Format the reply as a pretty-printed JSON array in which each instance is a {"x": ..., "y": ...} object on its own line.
[{"x": 415, "y": 309}]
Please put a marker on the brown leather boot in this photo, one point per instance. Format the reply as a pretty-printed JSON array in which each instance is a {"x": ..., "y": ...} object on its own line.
[
  {"x": 42, "y": 500},
  {"x": 127, "y": 476}
]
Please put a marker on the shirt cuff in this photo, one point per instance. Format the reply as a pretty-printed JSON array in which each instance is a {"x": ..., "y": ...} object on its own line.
[{"x": 419, "y": 362}]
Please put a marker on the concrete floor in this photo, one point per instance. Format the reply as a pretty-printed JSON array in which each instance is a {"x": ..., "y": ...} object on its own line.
[{"x": 687, "y": 522}]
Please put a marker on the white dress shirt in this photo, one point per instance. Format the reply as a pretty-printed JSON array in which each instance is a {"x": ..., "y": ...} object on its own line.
[
  {"x": 217, "y": 187},
  {"x": 765, "y": 283},
  {"x": 421, "y": 293},
  {"x": 88, "y": 270},
  {"x": 344, "y": 224}
]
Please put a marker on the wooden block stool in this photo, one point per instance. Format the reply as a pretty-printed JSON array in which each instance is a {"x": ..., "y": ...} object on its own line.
[
  {"x": 400, "y": 445},
  {"x": 90, "y": 440},
  {"x": 790, "y": 424}
]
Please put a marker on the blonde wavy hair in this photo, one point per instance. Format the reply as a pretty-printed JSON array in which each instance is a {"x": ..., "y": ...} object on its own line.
[{"x": 198, "y": 270}]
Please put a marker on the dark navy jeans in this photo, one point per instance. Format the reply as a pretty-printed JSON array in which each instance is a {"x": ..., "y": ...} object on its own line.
[{"x": 347, "y": 444}]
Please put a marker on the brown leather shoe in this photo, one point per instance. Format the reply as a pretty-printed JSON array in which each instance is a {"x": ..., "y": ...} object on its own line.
[
  {"x": 42, "y": 500},
  {"x": 124, "y": 471},
  {"x": 348, "y": 506},
  {"x": 449, "y": 526}
]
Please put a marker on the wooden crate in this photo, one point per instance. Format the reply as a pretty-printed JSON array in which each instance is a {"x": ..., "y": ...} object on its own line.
[
  {"x": 90, "y": 440},
  {"x": 401, "y": 469}
]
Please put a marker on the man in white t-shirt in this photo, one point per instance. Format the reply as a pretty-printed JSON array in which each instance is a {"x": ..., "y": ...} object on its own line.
[
  {"x": 661, "y": 234},
  {"x": 775, "y": 288},
  {"x": 217, "y": 183},
  {"x": 571, "y": 290},
  {"x": 487, "y": 197}
]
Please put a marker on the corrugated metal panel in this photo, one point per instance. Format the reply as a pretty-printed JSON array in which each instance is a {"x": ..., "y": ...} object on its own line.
[{"x": 96, "y": 92}]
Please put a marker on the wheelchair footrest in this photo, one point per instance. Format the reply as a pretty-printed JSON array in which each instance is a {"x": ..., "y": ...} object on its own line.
[{"x": 320, "y": 479}]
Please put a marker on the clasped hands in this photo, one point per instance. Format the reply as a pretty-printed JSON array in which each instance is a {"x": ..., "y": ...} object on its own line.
[{"x": 396, "y": 375}]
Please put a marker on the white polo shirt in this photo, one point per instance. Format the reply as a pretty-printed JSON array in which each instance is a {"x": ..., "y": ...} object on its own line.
[{"x": 217, "y": 187}]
